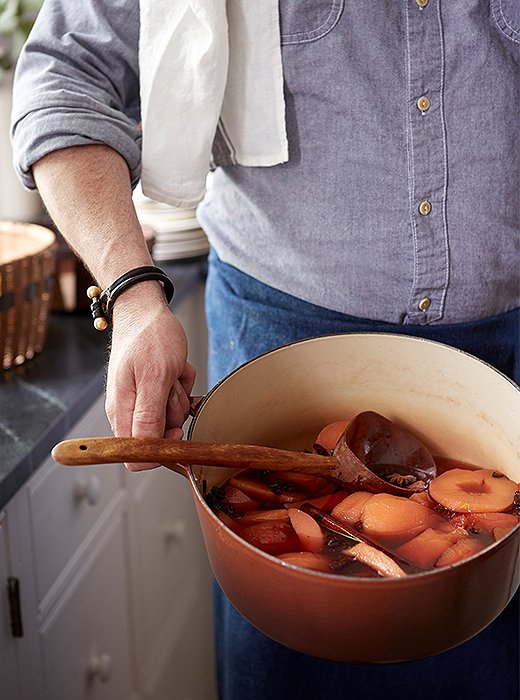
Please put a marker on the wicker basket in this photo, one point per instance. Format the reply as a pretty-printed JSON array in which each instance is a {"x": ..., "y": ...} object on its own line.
[{"x": 27, "y": 265}]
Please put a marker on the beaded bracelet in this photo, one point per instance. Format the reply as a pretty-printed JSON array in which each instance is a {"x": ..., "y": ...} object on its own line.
[{"x": 103, "y": 301}]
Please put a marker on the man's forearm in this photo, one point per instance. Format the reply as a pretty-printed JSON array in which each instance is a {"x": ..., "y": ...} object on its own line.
[{"x": 87, "y": 191}]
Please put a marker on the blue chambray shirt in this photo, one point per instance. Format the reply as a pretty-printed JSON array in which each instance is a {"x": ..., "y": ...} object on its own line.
[{"x": 401, "y": 198}]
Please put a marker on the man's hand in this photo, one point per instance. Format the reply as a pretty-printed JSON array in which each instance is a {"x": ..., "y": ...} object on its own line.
[{"x": 149, "y": 379}]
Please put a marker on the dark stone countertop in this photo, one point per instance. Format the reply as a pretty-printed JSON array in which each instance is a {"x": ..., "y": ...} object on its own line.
[{"x": 42, "y": 399}]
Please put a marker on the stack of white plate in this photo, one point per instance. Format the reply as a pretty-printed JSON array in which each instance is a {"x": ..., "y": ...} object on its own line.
[{"x": 177, "y": 232}]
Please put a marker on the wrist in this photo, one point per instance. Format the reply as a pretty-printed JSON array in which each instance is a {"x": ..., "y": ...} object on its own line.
[
  {"x": 138, "y": 299},
  {"x": 137, "y": 289}
]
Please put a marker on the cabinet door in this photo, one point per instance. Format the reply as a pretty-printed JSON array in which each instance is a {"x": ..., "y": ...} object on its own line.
[
  {"x": 86, "y": 638},
  {"x": 65, "y": 504},
  {"x": 8, "y": 670},
  {"x": 171, "y": 574}
]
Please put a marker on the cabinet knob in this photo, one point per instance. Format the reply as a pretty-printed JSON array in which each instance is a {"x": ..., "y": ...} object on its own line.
[
  {"x": 100, "y": 667},
  {"x": 175, "y": 531},
  {"x": 88, "y": 490}
]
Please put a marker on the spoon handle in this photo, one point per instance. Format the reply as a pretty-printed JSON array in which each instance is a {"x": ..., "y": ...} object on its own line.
[{"x": 108, "y": 450}]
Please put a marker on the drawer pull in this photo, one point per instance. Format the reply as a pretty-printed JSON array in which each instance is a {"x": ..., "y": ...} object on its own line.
[
  {"x": 88, "y": 490},
  {"x": 175, "y": 532},
  {"x": 15, "y": 609},
  {"x": 100, "y": 667}
]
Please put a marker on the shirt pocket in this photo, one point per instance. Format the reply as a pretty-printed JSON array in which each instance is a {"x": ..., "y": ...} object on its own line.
[
  {"x": 302, "y": 21},
  {"x": 506, "y": 14}
]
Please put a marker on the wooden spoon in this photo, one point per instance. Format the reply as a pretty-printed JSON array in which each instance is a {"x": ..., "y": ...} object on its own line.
[
  {"x": 342, "y": 466},
  {"x": 388, "y": 450}
]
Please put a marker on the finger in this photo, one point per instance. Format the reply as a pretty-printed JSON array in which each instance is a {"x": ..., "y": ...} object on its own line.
[
  {"x": 187, "y": 378},
  {"x": 119, "y": 402},
  {"x": 174, "y": 434},
  {"x": 148, "y": 419},
  {"x": 149, "y": 416},
  {"x": 170, "y": 434},
  {"x": 178, "y": 407},
  {"x": 141, "y": 466}
]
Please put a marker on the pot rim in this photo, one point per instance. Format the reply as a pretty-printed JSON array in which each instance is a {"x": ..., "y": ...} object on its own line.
[{"x": 321, "y": 575}]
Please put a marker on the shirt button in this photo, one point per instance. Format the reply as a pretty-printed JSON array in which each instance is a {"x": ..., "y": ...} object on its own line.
[
  {"x": 424, "y": 304},
  {"x": 422, "y": 3},
  {"x": 423, "y": 103},
  {"x": 425, "y": 208}
]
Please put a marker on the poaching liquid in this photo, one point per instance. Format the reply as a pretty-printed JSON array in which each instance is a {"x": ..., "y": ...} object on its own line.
[{"x": 312, "y": 522}]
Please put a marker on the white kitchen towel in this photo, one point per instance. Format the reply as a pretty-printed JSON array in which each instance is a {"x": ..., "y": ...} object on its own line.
[{"x": 211, "y": 92}]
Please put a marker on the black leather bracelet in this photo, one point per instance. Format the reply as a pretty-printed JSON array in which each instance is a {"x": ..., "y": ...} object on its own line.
[{"x": 103, "y": 301}]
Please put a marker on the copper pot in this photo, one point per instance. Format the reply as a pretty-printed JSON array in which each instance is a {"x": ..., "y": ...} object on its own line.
[{"x": 457, "y": 405}]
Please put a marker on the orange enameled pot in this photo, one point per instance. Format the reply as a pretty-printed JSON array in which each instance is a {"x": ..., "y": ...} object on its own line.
[{"x": 457, "y": 405}]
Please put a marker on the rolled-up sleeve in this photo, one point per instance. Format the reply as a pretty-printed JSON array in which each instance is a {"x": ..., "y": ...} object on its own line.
[{"x": 77, "y": 83}]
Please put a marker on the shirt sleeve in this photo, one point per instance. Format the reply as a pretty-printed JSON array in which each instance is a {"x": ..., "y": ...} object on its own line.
[{"x": 77, "y": 83}]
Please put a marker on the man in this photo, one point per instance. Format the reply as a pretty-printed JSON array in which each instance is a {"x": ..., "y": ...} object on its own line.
[{"x": 395, "y": 208}]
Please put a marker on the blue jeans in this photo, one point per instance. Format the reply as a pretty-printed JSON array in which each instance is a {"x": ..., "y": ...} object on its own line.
[{"x": 247, "y": 318}]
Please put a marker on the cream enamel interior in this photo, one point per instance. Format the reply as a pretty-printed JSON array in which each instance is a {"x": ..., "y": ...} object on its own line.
[{"x": 457, "y": 405}]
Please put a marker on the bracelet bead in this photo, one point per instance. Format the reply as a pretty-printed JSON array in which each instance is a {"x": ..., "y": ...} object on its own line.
[
  {"x": 93, "y": 292},
  {"x": 103, "y": 301},
  {"x": 100, "y": 324}
]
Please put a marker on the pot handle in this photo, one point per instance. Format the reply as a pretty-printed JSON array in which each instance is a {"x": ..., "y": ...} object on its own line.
[{"x": 195, "y": 402}]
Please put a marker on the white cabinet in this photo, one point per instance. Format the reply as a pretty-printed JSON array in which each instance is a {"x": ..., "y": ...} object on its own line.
[
  {"x": 65, "y": 504},
  {"x": 115, "y": 587},
  {"x": 86, "y": 637},
  {"x": 165, "y": 537},
  {"x": 9, "y": 673}
]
